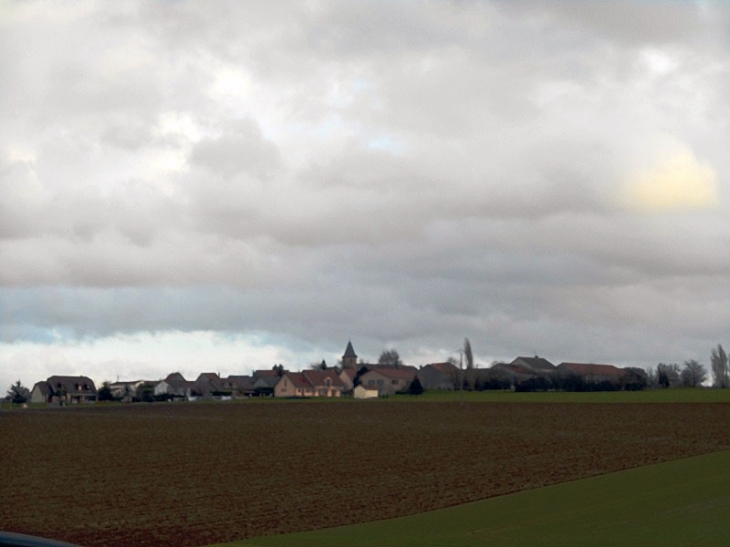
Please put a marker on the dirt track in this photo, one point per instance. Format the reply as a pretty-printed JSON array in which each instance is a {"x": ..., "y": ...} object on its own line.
[{"x": 194, "y": 474}]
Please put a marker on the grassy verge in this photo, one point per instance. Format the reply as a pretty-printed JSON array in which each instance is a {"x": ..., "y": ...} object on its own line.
[
  {"x": 672, "y": 395},
  {"x": 684, "y": 502}
]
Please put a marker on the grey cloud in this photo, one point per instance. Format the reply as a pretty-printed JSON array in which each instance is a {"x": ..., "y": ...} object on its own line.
[
  {"x": 20, "y": 203},
  {"x": 128, "y": 136},
  {"x": 240, "y": 150},
  {"x": 625, "y": 21}
]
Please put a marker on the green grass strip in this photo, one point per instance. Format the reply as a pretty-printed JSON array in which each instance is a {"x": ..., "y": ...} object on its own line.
[
  {"x": 672, "y": 395},
  {"x": 679, "y": 503}
]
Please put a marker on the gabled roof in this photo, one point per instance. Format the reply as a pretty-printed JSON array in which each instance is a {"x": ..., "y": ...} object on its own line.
[
  {"x": 72, "y": 384},
  {"x": 536, "y": 363},
  {"x": 512, "y": 368},
  {"x": 400, "y": 373},
  {"x": 297, "y": 379},
  {"x": 266, "y": 372},
  {"x": 208, "y": 376},
  {"x": 43, "y": 388},
  {"x": 392, "y": 367},
  {"x": 268, "y": 381},
  {"x": 446, "y": 368},
  {"x": 178, "y": 381},
  {"x": 349, "y": 351},
  {"x": 175, "y": 377},
  {"x": 349, "y": 372},
  {"x": 209, "y": 380},
  {"x": 313, "y": 379},
  {"x": 587, "y": 369},
  {"x": 317, "y": 378},
  {"x": 241, "y": 383}
]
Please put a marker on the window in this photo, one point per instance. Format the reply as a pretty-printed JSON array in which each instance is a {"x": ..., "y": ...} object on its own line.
[{"x": 394, "y": 382}]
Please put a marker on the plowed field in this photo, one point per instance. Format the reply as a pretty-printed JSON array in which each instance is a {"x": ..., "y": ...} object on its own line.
[{"x": 194, "y": 474}]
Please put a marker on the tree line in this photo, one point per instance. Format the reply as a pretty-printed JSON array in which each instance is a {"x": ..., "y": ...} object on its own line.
[{"x": 693, "y": 373}]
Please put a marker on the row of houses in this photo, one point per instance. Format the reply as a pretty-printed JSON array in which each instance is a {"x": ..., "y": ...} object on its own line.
[{"x": 351, "y": 377}]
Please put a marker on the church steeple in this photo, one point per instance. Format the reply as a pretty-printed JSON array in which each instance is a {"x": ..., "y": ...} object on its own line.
[{"x": 349, "y": 359}]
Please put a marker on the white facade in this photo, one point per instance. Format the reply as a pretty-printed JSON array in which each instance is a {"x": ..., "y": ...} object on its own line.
[{"x": 361, "y": 392}]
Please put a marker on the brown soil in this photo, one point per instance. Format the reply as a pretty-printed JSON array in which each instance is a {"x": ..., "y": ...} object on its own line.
[{"x": 195, "y": 474}]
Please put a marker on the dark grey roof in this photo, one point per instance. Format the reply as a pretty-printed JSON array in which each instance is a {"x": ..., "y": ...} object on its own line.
[
  {"x": 43, "y": 388},
  {"x": 535, "y": 363},
  {"x": 72, "y": 384},
  {"x": 349, "y": 351}
]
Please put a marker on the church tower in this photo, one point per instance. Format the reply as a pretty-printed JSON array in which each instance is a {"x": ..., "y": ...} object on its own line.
[{"x": 349, "y": 359}]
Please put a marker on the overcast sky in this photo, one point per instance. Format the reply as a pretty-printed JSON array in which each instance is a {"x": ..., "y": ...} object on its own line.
[{"x": 226, "y": 185}]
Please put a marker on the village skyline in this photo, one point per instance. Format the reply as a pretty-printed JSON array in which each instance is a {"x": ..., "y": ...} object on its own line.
[{"x": 450, "y": 373}]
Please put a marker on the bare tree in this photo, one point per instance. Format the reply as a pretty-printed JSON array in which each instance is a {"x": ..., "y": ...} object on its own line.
[
  {"x": 667, "y": 375},
  {"x": 319, "y": 366},
  {"x": 652, "y": 379},
  {"x": 718, "y": 363},
  {"x": 693, "y": 374},
  {"x": 390, "y": 357}
]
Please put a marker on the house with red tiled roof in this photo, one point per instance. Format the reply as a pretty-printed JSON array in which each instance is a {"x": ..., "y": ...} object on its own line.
[
  {"x": 292, "y": 384},
  {"x": 326, "y": 383},
  {"x": 309, "y": 383},
  {"x": 388, "y": 380}
]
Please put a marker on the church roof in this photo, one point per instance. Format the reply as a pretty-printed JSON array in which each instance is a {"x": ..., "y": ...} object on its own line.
[{"x": 349, "y": 351}]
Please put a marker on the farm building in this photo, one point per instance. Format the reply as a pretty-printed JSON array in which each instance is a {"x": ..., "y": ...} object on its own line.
[
  {"x": 439, "y": 376},
  {"x": 592, "y": 374}
]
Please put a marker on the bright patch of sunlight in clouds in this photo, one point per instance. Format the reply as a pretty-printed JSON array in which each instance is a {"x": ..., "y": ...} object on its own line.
[{"x": 676, "y": 180}]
